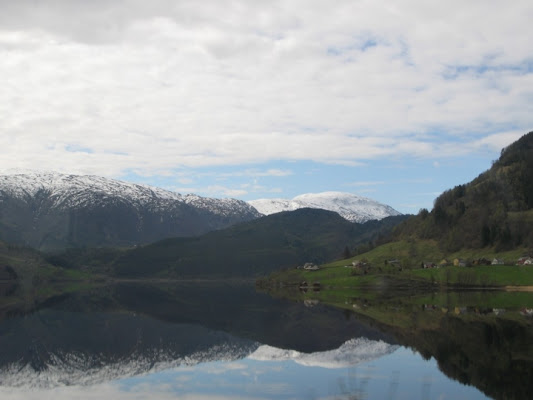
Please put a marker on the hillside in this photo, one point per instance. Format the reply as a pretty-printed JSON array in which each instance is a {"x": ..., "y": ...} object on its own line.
[
  {"x": 494, "y": 210},
  {"x": 26, "y": 276},
  {"x": 50, "y": 211},
  {"x": 253, "y": 248},
  {"x": 352, "y": 207}
]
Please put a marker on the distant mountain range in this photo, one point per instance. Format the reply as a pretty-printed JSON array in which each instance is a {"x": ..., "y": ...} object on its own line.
[
  {"x": 352, "y": 207},
  {"x": 50, "y": 211}
]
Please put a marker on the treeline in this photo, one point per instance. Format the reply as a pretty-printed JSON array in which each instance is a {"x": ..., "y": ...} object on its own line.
[{"x": 495, "y": 209}]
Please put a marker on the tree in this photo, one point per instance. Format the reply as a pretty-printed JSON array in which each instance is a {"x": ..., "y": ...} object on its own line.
[{"x": 346, "y": 253}]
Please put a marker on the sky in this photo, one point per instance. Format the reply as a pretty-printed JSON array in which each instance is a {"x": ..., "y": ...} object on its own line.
[{"x": 392, "y": 100}]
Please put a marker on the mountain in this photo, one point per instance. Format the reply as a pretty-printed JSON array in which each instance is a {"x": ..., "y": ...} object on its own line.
[
  {"x": 51, "y": 211},
  {"x": 116, "y": 331},
  {"x": 252, "y": 248},
  {"x": 494, "y": 210},
  {"x": 349, "y": 354},
  {"x": 86, "y": 349},
  {"x": 352, "y": 207}
]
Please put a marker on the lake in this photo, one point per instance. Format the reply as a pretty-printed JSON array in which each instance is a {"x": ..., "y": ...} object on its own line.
[{"x": 227, "y": 341}]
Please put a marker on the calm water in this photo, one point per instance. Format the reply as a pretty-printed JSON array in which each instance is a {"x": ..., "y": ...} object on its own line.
[{"x": 207, "y": 341}]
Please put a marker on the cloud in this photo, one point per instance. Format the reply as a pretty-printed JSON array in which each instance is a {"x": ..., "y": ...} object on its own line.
[
  {"x": 366, "y": 183},
  {"x": 272, "y": 172},
  {"x": 165, "y": 85},
  {"x": 229, "y": 192},
  {"x": 499, "y": 140},
  {"x": 110, "y": 391}
]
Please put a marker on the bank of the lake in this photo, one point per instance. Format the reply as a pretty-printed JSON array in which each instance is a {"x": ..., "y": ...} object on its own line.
[{"x": 416, "y": 264}]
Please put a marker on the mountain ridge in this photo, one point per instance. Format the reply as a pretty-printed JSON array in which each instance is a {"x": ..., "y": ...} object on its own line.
[{"x": 50, "y": 211}]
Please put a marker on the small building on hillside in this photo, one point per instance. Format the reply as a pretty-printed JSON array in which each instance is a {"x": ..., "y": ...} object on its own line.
[
  {"x": 525, "y": 261},
  {"x": 459, "y": 262},
  {"x": 358, "y": 264},
  {"x": 311, "y": 267},
  {"x": 497, "y": 261}
]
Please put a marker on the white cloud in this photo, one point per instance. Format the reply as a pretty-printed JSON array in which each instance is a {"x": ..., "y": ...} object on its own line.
[
  {"x": 366, "y": 183},
  {"x": 499, "y": 140},
  {"x": 154, "y": 87},
  {"x": 109, "y": 391},
  {"x": 253, "y": 173},
  {"x": 221, "y": 190}
]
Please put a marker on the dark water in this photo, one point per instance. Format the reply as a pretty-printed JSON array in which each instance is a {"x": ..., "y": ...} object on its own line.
[{"x": 209, "y": 340}]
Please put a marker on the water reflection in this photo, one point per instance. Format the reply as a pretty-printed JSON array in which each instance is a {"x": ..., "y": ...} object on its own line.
[
  {"x": 226, "y": 340},
  {"x": 399, "y": 375}
]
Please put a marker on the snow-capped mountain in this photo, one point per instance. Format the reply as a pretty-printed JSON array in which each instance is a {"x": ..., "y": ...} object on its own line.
[
  {"x": 350, "y": 353},
  {"x": 83, "y": 369},
  {"x": 49, "y": 210},
  {"x": 350, "y": 206}
]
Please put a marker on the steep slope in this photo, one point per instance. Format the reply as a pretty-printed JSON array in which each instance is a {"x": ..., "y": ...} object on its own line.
[
  {"x": 52, "y": 211},
  {"x": 494, "y": 210},
  {"x": 253, "y": 248},
  {"x": 352, "y": 207}
]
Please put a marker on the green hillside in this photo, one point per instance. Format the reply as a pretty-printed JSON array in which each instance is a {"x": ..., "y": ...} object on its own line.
[
  {"x": 490, "y": 217},
  {"x": 495, "y": 210}
]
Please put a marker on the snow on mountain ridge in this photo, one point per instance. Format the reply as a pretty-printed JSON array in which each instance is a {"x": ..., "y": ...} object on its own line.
[
  {"x": 86, "y": 370},
  {"x": 350, "y": 353},
  {"x": 350, "y": 206},
  {"x": 74, "y": 191}
]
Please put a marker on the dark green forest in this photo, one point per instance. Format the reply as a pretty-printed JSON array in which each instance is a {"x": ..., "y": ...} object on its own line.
[{"x": 494, "y": 210}]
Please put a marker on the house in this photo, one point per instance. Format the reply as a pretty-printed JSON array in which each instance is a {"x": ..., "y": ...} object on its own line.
[
  {"x": 444, "y": 262},
  {"x": 358, "y": 264},
  {"x": 459, "y": 262},
  {"x": 311, "y": 267},
  {"x": 310, "y": 302},
  {"x": 427, "y": 265},
  {"x": 525, "y": 261},
  {"x": 497, "y": 261}
]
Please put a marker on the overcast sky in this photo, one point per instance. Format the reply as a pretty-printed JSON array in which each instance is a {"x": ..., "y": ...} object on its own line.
[{"x": 394, "y": 100}]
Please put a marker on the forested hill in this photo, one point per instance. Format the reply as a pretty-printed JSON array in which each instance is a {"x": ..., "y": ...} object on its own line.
[
  {"x": 254, "y": 248},
  {"x": 494, "y": 210}
]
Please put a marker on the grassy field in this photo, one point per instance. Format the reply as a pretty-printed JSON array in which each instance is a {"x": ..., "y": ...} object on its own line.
[{"x": 407, "y": 271}]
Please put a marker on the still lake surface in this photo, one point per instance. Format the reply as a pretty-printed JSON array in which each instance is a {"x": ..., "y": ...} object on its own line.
[{"x": 227, "y": 341}]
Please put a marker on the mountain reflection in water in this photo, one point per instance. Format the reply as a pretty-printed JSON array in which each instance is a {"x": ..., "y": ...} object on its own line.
[{"x": 127, "y": 339}]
